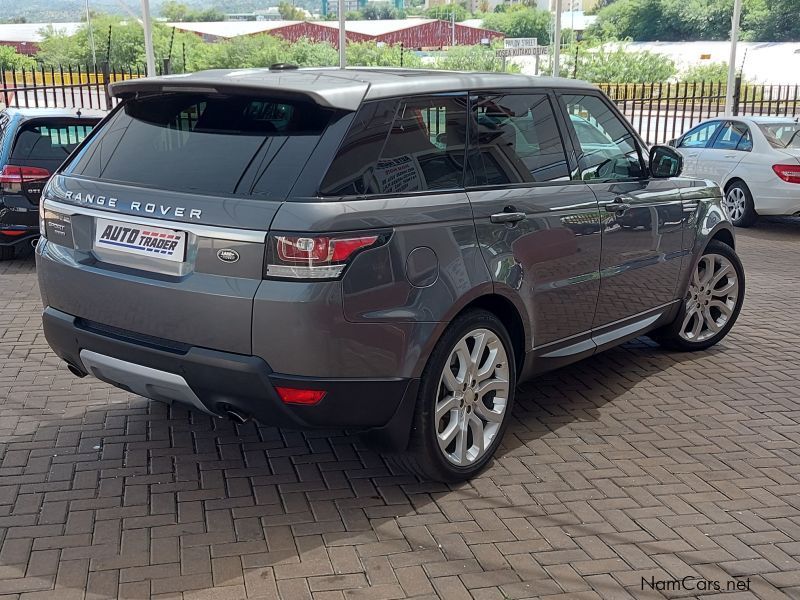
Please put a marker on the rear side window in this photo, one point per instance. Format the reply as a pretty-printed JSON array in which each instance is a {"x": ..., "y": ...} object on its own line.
[
  {"x": 402, "y": 146},
  {"x": 51, "y": 141},
  {"x": 516, "y": 141},
  {"x": 733, "y": 136},
  {"x": 210, "y": 144}
]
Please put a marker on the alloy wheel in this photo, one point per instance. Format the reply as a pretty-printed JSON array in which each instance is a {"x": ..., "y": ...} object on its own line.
[
  {"x": 710, "y": 299},
  {"x": 735, "y": 203},
  {"x": 472, "y": 397}
]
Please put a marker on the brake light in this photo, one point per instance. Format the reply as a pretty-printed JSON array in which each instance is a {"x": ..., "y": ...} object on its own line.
[
  {"x": 789, "y": 173},
  {"x": 295, "y": 396},
  {"x": 315, "y": 257},
  {"x": 13, "y": 176}
]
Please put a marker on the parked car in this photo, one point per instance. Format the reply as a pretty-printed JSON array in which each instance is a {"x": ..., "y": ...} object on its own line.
[
  {"x": 388, "y": 251},
  {"x": 756, "y": 161},
  {"x": 33, "y": 143}
]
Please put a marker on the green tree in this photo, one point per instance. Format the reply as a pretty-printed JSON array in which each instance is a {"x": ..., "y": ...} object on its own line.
[
  {"x": 772, "y": 21},
  {"x": 370, "y": 54},
  {"x": 289, "y": 12},
  {"x": 127, "y": 44},
  {"x": 615, "y": 63},
  {"x": 380, "y": 10},
  {"x": 521, "y": 22},
  {"x": 445, "y": 12},
  {"x": 715, "y": 71},
  {"x": 13, "y": 60},
  {"x": 174, "y": 11},
  {"x": 471, "y": 58}
]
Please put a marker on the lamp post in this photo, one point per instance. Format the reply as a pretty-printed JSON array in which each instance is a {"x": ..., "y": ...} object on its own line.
[
  {"x": 148, "y": 39},
  {"x": 557, "y": 40},
  {"x": 737, "y": 13},
  {"x": 342, "y": 37}
]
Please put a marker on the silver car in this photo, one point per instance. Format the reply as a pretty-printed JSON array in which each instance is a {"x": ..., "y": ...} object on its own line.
[{"x": 388, "y": 251}]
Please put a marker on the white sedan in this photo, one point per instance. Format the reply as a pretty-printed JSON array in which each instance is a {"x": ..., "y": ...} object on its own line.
[{"x": 755, "y": 160}]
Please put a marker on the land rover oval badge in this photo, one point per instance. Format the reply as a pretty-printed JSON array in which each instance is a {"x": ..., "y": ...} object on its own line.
[{"x": 227, "y": 255}]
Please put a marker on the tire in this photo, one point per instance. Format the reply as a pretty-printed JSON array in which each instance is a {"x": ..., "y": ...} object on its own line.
[
  {"x": 6, "y": 252},
  {"x": 739, "y": 205},
  {"x": 466, "y": 418},
  {"x": 707, "y": 313}
]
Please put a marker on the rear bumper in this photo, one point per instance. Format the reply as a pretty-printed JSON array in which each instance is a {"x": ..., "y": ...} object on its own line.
[{"x": 215, "y": 382}]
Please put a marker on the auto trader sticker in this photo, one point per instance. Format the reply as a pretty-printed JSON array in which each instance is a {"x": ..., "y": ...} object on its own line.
[{"x": 141, "y": 240}]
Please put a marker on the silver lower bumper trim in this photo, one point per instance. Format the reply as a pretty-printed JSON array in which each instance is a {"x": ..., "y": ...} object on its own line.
[{"x": 147, "y": 382}]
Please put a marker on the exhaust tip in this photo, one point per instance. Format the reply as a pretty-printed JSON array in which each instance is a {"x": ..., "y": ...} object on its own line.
[
  {"x": 237, "y": 417},
  {"x": 34, "y": 243},
  {"x": 76, "y": 371}
]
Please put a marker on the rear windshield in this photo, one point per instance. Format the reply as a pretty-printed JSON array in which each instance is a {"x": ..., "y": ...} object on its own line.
[
  {"x": 51, "y": 141},
  {"x": 781, "y": 135},
  {"x": 206, "y": 143}
]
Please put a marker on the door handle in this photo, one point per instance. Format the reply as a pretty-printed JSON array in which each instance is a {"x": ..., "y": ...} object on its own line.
[
  {"x": 619, "y": 205},
  {"x": 507, "y": 217}
]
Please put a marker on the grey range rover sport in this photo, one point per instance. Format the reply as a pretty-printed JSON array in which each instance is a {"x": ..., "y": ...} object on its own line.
[{"x": 388, "y": 251}]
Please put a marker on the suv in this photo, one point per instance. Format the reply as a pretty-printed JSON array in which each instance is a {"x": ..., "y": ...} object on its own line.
[
  {"x": 33, "y": 144},
  {"x": 389, "y": 251}
]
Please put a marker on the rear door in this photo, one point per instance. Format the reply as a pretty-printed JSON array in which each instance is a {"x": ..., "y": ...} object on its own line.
[
  {"x": 159, "y": 222},
  {"x": 539, "y": 230}
]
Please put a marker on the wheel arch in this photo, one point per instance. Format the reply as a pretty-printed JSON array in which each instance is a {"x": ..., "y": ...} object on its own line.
[
  {"x": 725, "y": 236},
  {"x": 505, "y": 310}
]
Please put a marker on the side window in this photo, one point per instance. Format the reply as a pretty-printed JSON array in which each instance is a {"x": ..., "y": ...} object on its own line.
[
  {"x": 608, "y": 150},
  {"x": 411, "y": 145},
  {"x": 733, "y": 136},
  {"x": 425, "y": 148},
  {"x": 699, "y": 136},
  {"x": 514, "y": 139}
]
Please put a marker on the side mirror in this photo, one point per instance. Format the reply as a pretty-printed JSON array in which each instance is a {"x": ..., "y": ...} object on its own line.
[
  {"x": 674, "y": 142},
  {"x": 665, "y": 162}
]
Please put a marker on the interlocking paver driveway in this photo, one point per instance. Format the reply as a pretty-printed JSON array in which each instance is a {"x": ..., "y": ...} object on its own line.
[{"x": 635, "y": 464}]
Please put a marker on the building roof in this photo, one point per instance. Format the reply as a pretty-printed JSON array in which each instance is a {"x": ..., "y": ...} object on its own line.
[
  {"x": 377, "y": 27},
  {"x": 30, "y": 32},
  {"x": 337, "y": 88},
  {"x": 231, "y": 29}
]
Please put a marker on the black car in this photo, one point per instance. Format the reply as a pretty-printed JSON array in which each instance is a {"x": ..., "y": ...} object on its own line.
[{"x": 33, "y": 144}]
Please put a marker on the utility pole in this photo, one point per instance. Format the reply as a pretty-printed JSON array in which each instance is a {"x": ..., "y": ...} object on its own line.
[
  {"x": 737, "y": 13},
  {"x": 148, "y": 39},
  {"x": 342, "y": 37},
  {"x": 453, "y": 25},
  {"x": 91, "y": 33},
  {"x": 557, "y": 40}
]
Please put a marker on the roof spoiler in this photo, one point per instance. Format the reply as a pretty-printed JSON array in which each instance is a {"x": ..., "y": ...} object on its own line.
[{"x": 345, "y": 98}]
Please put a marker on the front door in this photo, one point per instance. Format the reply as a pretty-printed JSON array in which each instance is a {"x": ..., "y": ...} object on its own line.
[
  {"x": 729, "y": 146},
  {"x": 539, "y": 231},
  {"x": 641, "y": 217}
]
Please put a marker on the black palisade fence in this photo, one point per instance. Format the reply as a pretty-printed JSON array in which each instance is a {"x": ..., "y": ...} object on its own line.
[
  {"x": 663, "y": 111},
  {"x": 660, "y": 111}
]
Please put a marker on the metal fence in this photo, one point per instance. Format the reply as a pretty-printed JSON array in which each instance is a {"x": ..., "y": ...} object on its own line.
[
  {"x": 65, "y": 86},
  {"x": 663, "y": 111},
  {"x": 660, "y": 111}
]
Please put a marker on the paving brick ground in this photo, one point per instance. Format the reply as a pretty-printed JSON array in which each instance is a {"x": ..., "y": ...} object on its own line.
[{"x": 636, "y": 464}]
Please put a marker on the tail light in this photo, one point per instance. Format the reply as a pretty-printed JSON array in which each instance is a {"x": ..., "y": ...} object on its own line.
[
  {"x": 789, "y": 173},
  {"x": 315, "y": 256},
  {"x": 296, "y": 396},
  {"x": 12, "y": 177}
]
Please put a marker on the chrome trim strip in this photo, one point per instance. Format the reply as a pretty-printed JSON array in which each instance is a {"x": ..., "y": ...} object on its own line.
[
  {"x": 205, "y": 231},
  {"x": 141, "y": 380}
]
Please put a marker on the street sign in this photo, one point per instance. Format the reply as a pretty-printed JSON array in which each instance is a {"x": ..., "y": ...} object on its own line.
[
  {"x": 520, "y": 42},
  {"x": 530, "y": 51}
]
